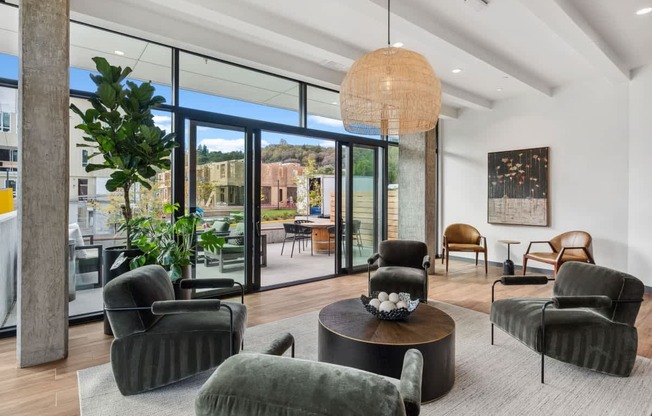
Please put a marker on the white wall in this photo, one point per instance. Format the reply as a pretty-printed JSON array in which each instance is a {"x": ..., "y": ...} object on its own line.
[
  {"x": 585, "y": 125},
  {"x": 640, "y": 175}
]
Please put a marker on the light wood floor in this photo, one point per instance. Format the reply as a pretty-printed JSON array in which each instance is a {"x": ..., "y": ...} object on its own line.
[{"x": 52, "y": 389}]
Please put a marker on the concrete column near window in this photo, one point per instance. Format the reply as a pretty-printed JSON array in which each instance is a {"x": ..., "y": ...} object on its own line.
[
  {"x": 417, "y": 177},
  {"x": 42, "y": 326}
]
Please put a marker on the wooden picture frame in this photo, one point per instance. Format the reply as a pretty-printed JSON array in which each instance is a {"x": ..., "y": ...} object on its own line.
[{"x": 518, "y": 187}]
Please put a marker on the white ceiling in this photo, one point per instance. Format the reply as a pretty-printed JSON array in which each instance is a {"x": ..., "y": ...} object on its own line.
[{"x": 506, "y": 48}]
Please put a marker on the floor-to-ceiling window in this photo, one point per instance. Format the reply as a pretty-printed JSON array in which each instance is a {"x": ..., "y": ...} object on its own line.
[{"x": 264, "y": 152}]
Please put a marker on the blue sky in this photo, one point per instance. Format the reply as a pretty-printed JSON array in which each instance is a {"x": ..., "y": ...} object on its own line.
[{"x": 214, "y": 139}]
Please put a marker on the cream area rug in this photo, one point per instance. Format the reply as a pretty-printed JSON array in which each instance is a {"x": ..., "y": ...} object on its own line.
[{"x": 490, "y": 380}]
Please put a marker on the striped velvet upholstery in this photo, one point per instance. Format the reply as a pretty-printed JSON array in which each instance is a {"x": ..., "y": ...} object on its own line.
[
  {"x": 603, "y": 340},
  {"x": 153, "y": 351}
]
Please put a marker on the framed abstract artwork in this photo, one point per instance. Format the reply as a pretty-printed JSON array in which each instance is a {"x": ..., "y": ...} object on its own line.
[{"x": 518, "y": 187}]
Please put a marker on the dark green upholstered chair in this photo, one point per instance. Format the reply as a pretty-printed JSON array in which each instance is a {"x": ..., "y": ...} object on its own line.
[
  {"x": 589, "y": 322},
  {"x": 402, "y": 267},
  {"x": 159, "y": 340},
  {"x": 260, "y": 384}
]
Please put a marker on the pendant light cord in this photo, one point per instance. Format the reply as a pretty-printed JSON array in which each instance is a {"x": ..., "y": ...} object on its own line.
[{"x": 388, "y": 26}]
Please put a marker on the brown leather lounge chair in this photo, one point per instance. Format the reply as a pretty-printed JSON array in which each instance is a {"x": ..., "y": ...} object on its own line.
[
  {"x": 569, "y": 246},
  {"x": 463, "y": 237}
]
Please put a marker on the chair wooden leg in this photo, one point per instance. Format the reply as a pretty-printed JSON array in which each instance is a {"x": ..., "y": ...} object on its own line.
[
  {"x": 446, "y": 261},
  {"x": 443, "y": 255},
  {"x": 476, "y": 258},
  {"x": 486, "y": 266},
  {"x": 524, "y": 264}
]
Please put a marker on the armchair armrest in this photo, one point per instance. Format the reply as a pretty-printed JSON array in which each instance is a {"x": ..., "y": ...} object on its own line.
[
  {"x": 538, "y": 279},
  {"x": 426, "y": 262},
  {"x": 167, "y": 307},
  {"x": 90, "y": 237},
  {"x": 586, "y": 251},
  {"x": 374, "y": 257},
  {"x": 484, "y": 241},
  {"x": 281, "y": 344},
  {"x": 538, "y": 242},
  {"x": 563, "y": 302},
  {"x": 211, "y": 284},
  {"x": 410, "y": 383},
  {"x": 520, "y": 280}
]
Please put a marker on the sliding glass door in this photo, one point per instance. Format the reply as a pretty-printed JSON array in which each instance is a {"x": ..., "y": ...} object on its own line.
[
  {"x": 360, "y": 204},
  {"x": 216, "y": 186}
]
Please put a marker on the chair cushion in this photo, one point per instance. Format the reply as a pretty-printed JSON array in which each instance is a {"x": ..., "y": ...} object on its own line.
[
  {"x": 237, "y": 231},
  {"x": 176, "y": 347},
  {"x": 465, "y": 247},
  {"x": 399, "y": 279},
  {"x": 256, "y": 384},
  {"x": 221, "y": 226},
  {"x": 550, "y": 258},
  {"x": 577, "y": 336}
]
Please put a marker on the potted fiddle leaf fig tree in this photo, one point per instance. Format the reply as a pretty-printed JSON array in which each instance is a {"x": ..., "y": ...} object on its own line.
[
  {"x": 172, "y": 244},
  {"x": 119, "y": 128}
]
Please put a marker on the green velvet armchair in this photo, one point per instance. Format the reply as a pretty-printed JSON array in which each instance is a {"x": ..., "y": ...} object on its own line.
[
  {"x": 589, "y": 322},
  {"x": 159, "y": 340},
  {"x": 402, "y": 267},
  {"x": 261, "y": 384}
]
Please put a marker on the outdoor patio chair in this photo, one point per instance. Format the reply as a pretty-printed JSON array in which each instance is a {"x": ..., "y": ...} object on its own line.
[
  {"x": 233, "y": 251},
  {"x": 88, "y": 259},
  {"x": 294, "y": 232}
]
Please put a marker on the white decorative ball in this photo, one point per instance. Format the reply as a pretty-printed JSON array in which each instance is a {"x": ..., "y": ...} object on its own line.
[
  {"x": 393, "y": 297},
  {"x": 401, "y": 304},
  {"x": 375, "y": 303},
  {"x": 383, "y": 296},
  {"x": 387, "y": 306}
]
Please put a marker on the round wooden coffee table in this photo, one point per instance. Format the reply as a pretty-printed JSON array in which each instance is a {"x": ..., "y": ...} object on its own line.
[{"x": 351, "y": 336}]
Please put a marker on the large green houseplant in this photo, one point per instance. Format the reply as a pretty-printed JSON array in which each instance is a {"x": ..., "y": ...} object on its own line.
[
  {"x": 172, "y": 245},
  {"x": 120, "y": 129}
]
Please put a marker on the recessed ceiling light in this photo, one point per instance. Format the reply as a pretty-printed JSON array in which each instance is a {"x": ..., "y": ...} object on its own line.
[
  {"x": 120, "y": 53},
  {"x": 499, "y": 89},
  {"x": 456, "y": 71},
  {"x": 398, "y": 44},
  {"x": 643, "y": 11}
]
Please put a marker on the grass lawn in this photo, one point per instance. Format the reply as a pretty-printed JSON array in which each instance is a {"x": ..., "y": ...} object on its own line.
[{"x": 278, "y": 214}]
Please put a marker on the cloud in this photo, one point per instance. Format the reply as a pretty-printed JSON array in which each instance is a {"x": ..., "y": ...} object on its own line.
[
  {"x": 223, "y": 145},
  {"x": 163, "y": 123},
  {"x": 333, "y": 122},
  {"x": 264, "y": 143},
  {"x": 327, "y": 143}
]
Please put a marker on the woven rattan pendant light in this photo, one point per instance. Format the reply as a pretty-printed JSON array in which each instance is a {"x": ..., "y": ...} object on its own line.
[{"x": 390, "y": 91}]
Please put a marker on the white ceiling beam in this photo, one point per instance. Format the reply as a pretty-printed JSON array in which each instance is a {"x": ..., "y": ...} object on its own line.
[
  {"x": 567, "y": 23},
  {"x": 415, "y": 15},
  {"x": 465, "y": 98},
  {"x": 449, "y": 112}
]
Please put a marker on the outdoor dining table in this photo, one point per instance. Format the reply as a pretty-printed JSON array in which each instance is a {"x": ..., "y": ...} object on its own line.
[{"x": 319, "y": 237}]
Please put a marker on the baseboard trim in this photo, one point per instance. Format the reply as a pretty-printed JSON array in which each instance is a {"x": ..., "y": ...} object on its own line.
[{"x": 530, "y": 269}]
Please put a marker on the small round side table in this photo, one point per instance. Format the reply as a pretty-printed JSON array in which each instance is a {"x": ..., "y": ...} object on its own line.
[{"x": 508, "y": 265}]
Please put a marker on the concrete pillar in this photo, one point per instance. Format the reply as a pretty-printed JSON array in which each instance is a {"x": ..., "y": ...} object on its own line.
[
  {"x": 417, "y": 178},
  {"x": 43, "y": 90}
]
